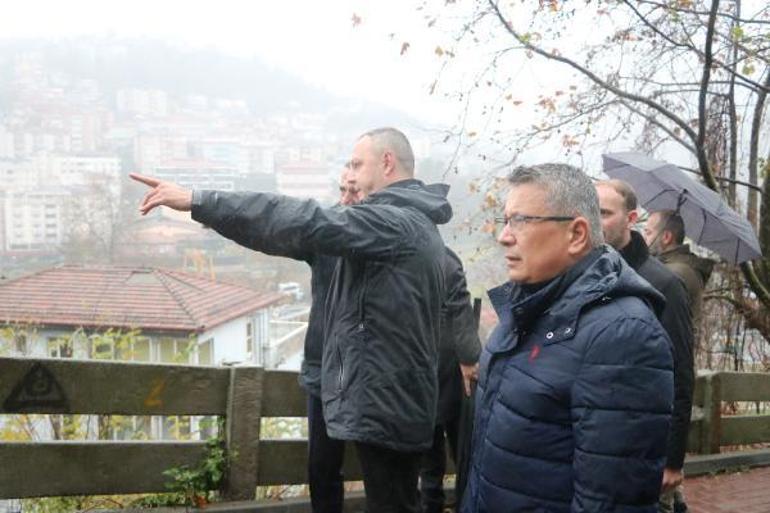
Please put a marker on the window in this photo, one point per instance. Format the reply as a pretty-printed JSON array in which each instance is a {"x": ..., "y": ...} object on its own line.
[
  {"x": 176, "y": 427},
  {"x": 136, "y": 350},
  {"x": 102, "y": 348},
  {"x": 141, "y": 350},
  {"x": 20, "y": 343},
  {"x": 249, "y": 338},
  {"x": 206, "y": 352},
  {"x": 59, "y": 347},
  {"x": 174, "y": 350},
  {"x": 130, "y": 428}
]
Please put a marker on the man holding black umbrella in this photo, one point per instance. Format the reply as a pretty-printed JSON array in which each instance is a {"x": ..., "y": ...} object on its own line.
[{"x": 618, "y": 205}]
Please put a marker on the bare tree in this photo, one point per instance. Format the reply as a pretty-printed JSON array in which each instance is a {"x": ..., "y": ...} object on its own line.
[{"x": 689, "y": 77}]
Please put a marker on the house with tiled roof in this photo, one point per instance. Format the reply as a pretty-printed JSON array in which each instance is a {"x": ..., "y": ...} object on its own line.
[
  {"x": 139, "y": 314},
  {"x": 169, "y": 309}
]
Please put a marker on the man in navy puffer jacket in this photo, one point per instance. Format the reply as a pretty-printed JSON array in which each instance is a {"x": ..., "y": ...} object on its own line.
[{"x": 576, "y": 386}]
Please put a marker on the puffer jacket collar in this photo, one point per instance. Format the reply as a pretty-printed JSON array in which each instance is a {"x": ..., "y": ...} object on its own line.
[{"x": 600, "y": 275}]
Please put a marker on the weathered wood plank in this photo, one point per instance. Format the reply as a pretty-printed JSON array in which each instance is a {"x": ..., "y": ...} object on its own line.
[
  {"x": 282, "y": 396},
  {"x": 745, "y": 429},
  {"x": 242, "y": 432},
  {"x": 694, "y": 436},
  {"x": 122, "y": 388},
  {"x": 712, "y": 463},
  {"x": 711, "y": 425},
  {"x": 745, "y": 386},
  {"x": 285, "y": 462},
  {"x": 697, "y": 396},
  {"x": 90, "y": 468}
]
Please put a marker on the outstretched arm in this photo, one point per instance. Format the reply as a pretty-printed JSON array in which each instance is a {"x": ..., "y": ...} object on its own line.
[{"x": 285, "y": 226}]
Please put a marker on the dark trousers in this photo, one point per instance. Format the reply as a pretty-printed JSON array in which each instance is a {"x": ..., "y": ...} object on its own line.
[
  {"x": 390, "y": 479},
  {"x": 324, "y": 462},
  {"x": 433, "y": 467}
]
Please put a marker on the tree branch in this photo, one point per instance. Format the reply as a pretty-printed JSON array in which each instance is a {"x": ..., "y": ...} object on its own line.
[
  {"x": 733, "y": 162},
  {"x": 592, "y": 76},
  {"x": 756, "y": 126},
  {"x": 725, "y": 179},
  {"x": 654, "y": 121},
  {"x": 733, "y": 17},
  {"x": 690, "y": 46},
  {"x": 700, "y": 144}
]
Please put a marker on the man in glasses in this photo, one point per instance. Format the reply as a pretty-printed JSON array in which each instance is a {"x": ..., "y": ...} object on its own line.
[
  {"x": 618, "y": 205},
  {"x": 576, "y": 384}
]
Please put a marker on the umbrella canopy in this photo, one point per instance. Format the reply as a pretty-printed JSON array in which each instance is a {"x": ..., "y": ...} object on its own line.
[{"x": 708, "y": 221}]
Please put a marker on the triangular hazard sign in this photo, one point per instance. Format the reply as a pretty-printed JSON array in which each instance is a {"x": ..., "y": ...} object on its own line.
[{"x": 37, "y": 392}]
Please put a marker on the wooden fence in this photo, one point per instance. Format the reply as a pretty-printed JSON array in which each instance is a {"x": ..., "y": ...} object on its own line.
[
  {"x": 709, "y": 429},
  {"x": 243, "y": 395}
]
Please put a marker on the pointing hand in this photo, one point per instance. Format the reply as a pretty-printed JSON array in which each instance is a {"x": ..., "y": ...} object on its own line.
[{"x": 162, "y": 193}]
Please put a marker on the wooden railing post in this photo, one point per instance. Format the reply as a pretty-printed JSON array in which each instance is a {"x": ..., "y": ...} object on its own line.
[
  {"x": 712, "y": 414},
  {"x": 244, "y": 415}
]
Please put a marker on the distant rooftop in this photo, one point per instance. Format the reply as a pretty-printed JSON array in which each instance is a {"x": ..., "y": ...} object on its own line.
[{"x": 126, "y": 297}]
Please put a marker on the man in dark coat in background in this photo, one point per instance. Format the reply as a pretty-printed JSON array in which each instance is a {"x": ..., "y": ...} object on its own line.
[
  {"x": 619, "y": 215},
  {"x": 378, "y": 377},
  {"x": 325, "y": 455},
  {"x": 575, "y": 383},
  {"x": 664, "y": 234},
  {"x": 458, "y": 350}
]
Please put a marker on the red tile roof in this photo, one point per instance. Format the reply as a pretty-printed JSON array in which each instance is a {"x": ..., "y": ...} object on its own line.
[{"x": 150, "y": 299}]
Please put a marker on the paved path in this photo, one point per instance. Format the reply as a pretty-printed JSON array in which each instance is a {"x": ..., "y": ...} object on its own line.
[{"x": 740, "y": 492}]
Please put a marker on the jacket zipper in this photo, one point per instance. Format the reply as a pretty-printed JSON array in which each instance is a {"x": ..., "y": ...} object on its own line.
[
  {"x": 362, "y": 298},
  {"x": 342, "y": 370}
]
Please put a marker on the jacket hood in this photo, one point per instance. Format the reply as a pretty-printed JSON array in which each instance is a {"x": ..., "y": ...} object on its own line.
[
  {"x": 601, "y": 275},
  {"x": 683, "y": 254},
  {"x": 428, "y": 199}
]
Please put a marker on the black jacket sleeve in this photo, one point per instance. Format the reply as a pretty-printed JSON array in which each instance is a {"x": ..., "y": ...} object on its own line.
[
  {"x": 461, "y": 324},
  {"x": 677, "y": 321},
  {"x": 285, "y": 226}
]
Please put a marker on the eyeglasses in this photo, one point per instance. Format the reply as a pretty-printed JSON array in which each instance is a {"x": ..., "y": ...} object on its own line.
[{"x": 516, "y": 221}]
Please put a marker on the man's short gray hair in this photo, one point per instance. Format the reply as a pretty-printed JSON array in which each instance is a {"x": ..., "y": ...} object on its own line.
[
  {"x": 394, "y": 140},
  {"x": 569, "y": 192}
]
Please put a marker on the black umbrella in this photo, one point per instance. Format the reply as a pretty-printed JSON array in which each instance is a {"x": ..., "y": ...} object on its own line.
[{"x": 708, "y": 221}]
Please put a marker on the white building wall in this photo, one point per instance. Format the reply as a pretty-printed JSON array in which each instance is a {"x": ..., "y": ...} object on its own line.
[
  {"x": 33, "y": 219},
  {"x": 229, "y": 341}
]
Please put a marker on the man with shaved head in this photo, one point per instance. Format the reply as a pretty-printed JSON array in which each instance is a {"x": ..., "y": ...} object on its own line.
[{"x": 378, "y": 376}]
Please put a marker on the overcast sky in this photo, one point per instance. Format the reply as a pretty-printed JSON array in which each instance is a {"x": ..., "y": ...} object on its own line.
[{"x": 314, "y": 39}]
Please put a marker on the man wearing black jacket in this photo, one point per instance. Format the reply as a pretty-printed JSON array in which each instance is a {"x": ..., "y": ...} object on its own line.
[
  {"x": 325, "y": 455},
  {"x": 618, "y": 206},
  {"x": 378, "y": 377},
  {"x": 459, "y": 349}
]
